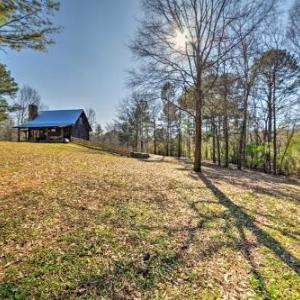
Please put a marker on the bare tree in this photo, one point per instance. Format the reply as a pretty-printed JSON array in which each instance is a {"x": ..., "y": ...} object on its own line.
[
  {"x": 91, "y": 115},
  {"x": 27, "y": 95},
  {"x": 134, "y": 122},
  {"x": 98, "y": 131},
  {"x": 179, "y": 41},
  {"x": 293, "y": 31}
]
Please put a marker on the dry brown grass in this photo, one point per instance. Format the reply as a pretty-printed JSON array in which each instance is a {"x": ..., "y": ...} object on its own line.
[{"x": 78, "y": 223}]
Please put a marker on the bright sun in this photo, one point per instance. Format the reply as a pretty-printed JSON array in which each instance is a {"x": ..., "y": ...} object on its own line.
[{"x": 180, "y": 39}]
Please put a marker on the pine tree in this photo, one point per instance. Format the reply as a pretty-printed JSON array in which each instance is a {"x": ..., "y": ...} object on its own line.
[
  {"x": 8, "y": 87},
  {"x": 27, "y": 24}
]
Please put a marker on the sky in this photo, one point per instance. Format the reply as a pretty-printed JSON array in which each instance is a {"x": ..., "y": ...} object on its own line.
[{"x": 87, "y": 65}]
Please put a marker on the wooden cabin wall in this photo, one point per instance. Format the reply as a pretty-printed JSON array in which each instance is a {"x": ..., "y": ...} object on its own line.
[{"x": 81, "y": 128}]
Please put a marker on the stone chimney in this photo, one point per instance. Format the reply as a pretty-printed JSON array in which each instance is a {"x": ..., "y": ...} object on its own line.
[{"x": 32, "y": 111}]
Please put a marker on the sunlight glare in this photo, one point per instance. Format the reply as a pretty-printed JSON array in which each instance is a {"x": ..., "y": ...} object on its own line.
[{"x": 180, "y": 39}]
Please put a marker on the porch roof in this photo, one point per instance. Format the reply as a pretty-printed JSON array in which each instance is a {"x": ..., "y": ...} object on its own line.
[{"x": 44, "y": 125}]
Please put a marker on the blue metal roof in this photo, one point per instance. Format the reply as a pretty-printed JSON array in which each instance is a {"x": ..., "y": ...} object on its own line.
[{"x": 53, "y": 118}]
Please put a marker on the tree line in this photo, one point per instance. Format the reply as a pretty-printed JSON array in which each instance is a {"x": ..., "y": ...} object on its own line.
[{"x": 218, "y": 80}]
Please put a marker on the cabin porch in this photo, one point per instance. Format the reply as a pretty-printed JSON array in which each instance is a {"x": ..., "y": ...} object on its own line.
[{"x": 53, "y": 134}]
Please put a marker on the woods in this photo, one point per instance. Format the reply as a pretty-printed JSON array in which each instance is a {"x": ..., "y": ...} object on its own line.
[{"x": 223, "y": 80}]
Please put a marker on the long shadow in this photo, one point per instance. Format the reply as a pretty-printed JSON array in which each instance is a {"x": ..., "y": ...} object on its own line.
[
  {"x": 253, "y": 174},
  {"x": 245, "y": 221},
  {"x": 253, "y": 178}
]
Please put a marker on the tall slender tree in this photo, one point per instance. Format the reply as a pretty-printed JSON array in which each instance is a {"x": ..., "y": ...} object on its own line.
[{"x": 167, "y": 96}]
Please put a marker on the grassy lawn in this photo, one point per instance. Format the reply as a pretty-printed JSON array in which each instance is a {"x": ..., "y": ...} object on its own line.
[{"x": 81, "y": 224}]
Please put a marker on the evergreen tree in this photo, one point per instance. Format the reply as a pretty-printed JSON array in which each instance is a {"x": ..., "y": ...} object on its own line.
[
  {"x": 27, "y": 24},
  {"x": 8, "y": 88}
]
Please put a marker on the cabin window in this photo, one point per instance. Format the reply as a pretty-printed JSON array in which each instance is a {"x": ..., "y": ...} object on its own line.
[{"x": 80, "y": 121}]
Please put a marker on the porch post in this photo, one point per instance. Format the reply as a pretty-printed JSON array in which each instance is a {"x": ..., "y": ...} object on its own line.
[
  {"x": 19, "y": 135},
  {"x": 47, "y": 134},
  {"x": 62, "y": 133}
]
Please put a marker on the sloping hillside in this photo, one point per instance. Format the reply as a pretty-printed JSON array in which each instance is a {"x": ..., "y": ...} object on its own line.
[{"x": 77, "y": 223}]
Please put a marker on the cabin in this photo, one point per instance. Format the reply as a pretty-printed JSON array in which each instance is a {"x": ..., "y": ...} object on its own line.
[{"x": 54, "y": 125}]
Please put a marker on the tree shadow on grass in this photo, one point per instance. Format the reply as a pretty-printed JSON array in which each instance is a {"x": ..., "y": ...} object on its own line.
[
  {"x": 244, "y": 221},
  {"x": 257, "y": 181}
]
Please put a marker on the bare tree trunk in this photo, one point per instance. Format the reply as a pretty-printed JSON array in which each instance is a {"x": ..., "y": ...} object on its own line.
[
  {"x": 242, "y": 143},
  {"x": 206, "y": 142},
  {"x": 198, "y": 130},
  {"x": 265, "y": 133},
  {"x": 226, "y": 139},
  {"x": 141, "y": 135},
  {"x": 218, "y": 143},
  {"x": 154, "y": 138},
  {"x": 225, "y": 121},
  {"x": 257, "y": 143},
  {"x": 213, "y": 126},
  {"x": 274, "y": 144},
  {"x": 289, "y": 140},
  {"x": 168, "y": 129},
  {"x": 179, "y": 136},
  {"x": 188, "y": 139},
  {"x": 274, "y": 129},
  {"x": 269, "y": 135}
]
